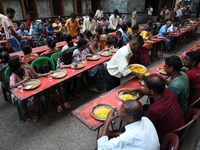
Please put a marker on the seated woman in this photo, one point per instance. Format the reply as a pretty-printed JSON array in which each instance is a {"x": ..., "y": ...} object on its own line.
[
  {"x": 19, "y": 74},
  {"x": 28, "y": 56},
  {"x": 51, "y": 45},
  {"x": 65, "y": 61},
  {"x": 4, "y": 57},
  {"x": 68, "y": 39},
  {"x": 88, "y": 35},
  {"x": 95, "y": 47}
]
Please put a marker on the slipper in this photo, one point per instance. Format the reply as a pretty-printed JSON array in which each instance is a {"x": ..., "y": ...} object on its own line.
[
  {"x": 67, "y": 105},
  {"x": 27, "y": 117},
  {"x": 59, "y": 109},
  {"x": 35, "y": 118},
  {"x": 94, "y": 90}
]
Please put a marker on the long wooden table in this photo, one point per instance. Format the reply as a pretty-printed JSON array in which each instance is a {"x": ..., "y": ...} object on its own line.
[{"x": 82, "y": 113}]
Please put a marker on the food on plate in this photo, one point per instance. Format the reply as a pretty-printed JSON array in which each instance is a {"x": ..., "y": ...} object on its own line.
[
  {"x": 36, "y": 83},
  {"x": 147, "y": 74},
  {"x": 102, "y": 112},
  {"x": 80, "y": 65},
  {"x": 162, "y": 70},
  {"x": 137, "y": 68},
  {"x": 28, "y": 87},
  {"x": 56, "y": 75},
  {"x": 126, "y": 96}
]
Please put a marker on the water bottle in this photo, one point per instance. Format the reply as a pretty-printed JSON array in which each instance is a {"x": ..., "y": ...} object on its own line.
[{"x": 83, "y": 57}]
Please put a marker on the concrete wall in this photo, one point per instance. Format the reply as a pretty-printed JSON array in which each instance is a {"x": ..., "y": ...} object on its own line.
[
  {"x": 43, "y": 8},
  {"x": 68, "y": 7},
  {"x": 16, "y": 6}
]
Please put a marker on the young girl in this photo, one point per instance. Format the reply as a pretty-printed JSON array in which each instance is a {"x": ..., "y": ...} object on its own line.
[
  {"x": 88, "y": 35},
  {"x": 90, "y": 75},
  {"x": 68, "y": 39},
  {"x": 51, "y": 45},
  {"x": 96, "y": 45},
  {"x": 19, "y": 74},
  {"x": 28, "y": 56},
  {"x": 65, "y": 61},
  {"x": 4, "y": 56},
  {"x": 46, "y": 68}
]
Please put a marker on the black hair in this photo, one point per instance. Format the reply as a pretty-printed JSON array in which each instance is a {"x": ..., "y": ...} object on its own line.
[
  {"x": 60, "y": 19},
  {"x": 44, "y": 68},
  {"x": 175, "y": 62},
  {"x": 68, "y": 39},
  {"x": 43, "y": 19},
  {"x": 31, "y": 13},
  {"x": 110, "y": 42},
  {"x": 124, "y": 27},
  {"x": 132, "y": 109},
  {"x": 106, "y": 30},
  {"x": 194, "y": 56},
  {"x": 116, "y": 12},
  {"x": 138, "y": 39},
  {"x": 96, "y": 36},
  {"x": 91, "y": 14},
  {"x": 15, "y": 66},
  {"x": 73, "y": 15},
  {"x": 119, "y": 26},
  {"x": 118, "y": 32},
  {"x": 10, "y": 10},
  {"x": 99, "y": 30},
  {"x": 66, "y": 57},
  {"x": 27, "y": 49},
  {"x": 4, "y": 56},
  {"x": 62, "y": 22},
  {"x": 81, "y": 35},
  {"x": 150, "y": 29},
  {"x": 51, "y": 22},
  {"x": 135, "y": 27},
  {"x": 87, "y": 33},
  {"x": 51, "y": 43},
  {"x": 129, "y": 24},
  {"x": 3, "y": 48},
  {"x": 155, "y": 83},
  {"x": 82, "y": 42}
]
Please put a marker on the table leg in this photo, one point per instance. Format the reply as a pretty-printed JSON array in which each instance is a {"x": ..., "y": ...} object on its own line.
[{"x": 97, "y": 133}]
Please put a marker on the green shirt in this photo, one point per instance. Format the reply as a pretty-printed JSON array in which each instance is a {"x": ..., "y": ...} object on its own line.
[{"x": 180, "y": 87}]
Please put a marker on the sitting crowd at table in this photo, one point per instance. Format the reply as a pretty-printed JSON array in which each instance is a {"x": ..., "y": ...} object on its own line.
[{"x": 165, "y": 112}]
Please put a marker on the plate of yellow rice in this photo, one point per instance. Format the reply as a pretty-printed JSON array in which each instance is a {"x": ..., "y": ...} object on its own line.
[
  {"x": 137, "y": 68},
  {"x": 120, "y": 94},
  {"x": 101, "y": 110}
]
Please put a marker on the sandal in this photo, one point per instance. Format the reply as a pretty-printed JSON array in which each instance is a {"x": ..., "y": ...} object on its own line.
[
  {"x": 35, "y": 118},
  {"x": 59, "y": 109},
  {"x": 27, "y": 117},
  {"x": 67, "y": 105},
  {"x": 94, "y": 90}
]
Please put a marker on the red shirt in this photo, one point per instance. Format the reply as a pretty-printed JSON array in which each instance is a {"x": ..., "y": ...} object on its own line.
[
  {"x": 28, "y": 23},
  {"x": 194, "y": 76},
  {"x": 166, "y": 113}
]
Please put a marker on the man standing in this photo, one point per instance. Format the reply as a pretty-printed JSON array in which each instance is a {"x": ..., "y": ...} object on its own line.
[
  {"x": 36, "y": 28},
  {"x": 150, "y": 12},
  {"x": 10, "y": 30},
  {"x": 99, "y": 13},
  {"x": 165, "y": 112},
  {"x": 72, "y": 26},
  {"x": 114, "y": 21},
  {"x": 178, "y": 12},
  {"x": 90, "y": 23},
  {"x": 117, "y": 66},
  {"x": 179, "y": 82},
  {"x": 139, "y": 133}
]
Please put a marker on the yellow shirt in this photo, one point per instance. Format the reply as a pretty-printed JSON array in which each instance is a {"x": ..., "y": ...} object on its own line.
[
  {"x": 72, "y": 27},
  {"x": 129, "y": 30},
  {"x": 144, "y": 35}
]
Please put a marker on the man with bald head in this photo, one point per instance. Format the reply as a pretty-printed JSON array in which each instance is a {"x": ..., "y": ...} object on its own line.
[
  {"x": 165, "y": 112},
  {"x": 117, "y": 66},
  {"x": 140, "y": 133}
]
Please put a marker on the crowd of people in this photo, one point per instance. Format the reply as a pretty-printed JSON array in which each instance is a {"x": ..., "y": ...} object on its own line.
[{"x": 94, "y": 35}]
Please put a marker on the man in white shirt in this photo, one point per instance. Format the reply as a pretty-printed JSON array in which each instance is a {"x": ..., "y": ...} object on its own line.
[
  {"x": 90, "y": 23},
  {"x": 99, "y": 13},
  {"x": 179, "y": 12},
  {"x": 114, "y": 21},
  {"x": 150, "y": 12},
  {"x": 140, "y": 133},
  {"x": 117, "y": 66}
]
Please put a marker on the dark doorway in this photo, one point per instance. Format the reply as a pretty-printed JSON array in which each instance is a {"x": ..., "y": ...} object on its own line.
[
  {"x": 154, "y": 4},
  {"x": 79, "y": 7},
  {"x": 56, "y": 7},
  {"x": 29, "y": 5},
  {"x": 95, "y": 5}
]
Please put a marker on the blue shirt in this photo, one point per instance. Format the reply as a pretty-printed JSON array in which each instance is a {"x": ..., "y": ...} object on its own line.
[
  {"x": 37, "y": 26},
  {"x": 25, "y": 33},
  {"x": 124, "y": 37},
  {"x": 163, "y": 29},
  {"x": 49, "y": 28}
]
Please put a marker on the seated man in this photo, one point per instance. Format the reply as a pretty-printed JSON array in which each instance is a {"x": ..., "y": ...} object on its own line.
[
  {"x": 179, "y": 82},
  {"x": 50, "y": 30},
  {"x": 163, "y": 32},
  {"x": 23, "y": 32},
  {"x": 165, "y": 112},
  {"x": 140, "y": 133}
]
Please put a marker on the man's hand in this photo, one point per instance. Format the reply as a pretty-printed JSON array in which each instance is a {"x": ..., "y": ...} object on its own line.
[
  {"x": 129, "y": 91},
  {"x": 111, "y": 115}
]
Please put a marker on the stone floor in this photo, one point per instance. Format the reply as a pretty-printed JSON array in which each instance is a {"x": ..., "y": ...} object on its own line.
[{"x": 66, "y": 132}]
